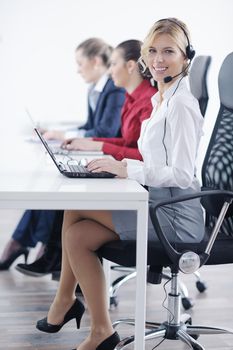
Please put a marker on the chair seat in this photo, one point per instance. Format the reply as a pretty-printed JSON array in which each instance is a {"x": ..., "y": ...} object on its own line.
[{"x": 124, "y": 252}]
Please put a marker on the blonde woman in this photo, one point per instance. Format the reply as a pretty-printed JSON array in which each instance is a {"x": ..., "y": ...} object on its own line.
[{"x": 168, "y": 144}]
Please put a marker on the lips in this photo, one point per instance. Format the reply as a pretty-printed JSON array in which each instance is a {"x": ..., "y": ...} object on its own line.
[{"x": 160, "y": 69}]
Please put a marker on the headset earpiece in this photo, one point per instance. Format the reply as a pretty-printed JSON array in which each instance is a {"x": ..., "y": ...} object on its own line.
[{"x": 190, "y": 52}]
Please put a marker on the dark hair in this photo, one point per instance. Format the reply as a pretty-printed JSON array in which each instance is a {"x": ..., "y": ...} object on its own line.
[
  {"x": 131, "y": 50},
  {"x": 93, "y": 47}
]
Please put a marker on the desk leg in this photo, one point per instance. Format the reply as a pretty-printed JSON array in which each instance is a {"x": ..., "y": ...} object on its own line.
[
  {"x": 141, "y": 265},
  {"x": 107, "y": 271}
]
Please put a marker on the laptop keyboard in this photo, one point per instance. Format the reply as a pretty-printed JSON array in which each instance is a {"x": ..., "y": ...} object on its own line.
[{"x": 75, "y": 168}]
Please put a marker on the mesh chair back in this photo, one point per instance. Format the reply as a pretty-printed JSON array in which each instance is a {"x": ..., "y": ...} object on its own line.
[
  {"x": 217, "y": 169},
  {"x": 198, "y": 80}
]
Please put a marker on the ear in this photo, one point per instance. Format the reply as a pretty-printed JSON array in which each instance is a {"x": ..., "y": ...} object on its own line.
[
  {"x": 97, "y": 61},
  {"x": 131, "y": 64}
]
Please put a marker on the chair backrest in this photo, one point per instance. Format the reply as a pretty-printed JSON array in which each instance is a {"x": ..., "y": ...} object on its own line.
[
  {"x": 217, "y": 169},
  {"x": 198, "y": 80}
]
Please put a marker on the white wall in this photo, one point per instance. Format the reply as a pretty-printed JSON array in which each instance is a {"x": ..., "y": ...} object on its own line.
[{"x": 38, "y": 39}]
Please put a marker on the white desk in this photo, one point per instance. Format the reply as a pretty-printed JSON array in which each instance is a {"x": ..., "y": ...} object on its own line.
[{"x": 29, "y": 180}]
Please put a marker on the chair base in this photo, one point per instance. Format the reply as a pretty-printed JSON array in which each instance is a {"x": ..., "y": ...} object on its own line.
[
  {"x": 184, "y": 332},
  {"x": 130, "y": 273},
  {"x": 177, "y": 327}
]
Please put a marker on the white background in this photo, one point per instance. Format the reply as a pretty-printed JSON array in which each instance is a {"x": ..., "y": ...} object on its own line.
[{"x": 38, "y": 39}]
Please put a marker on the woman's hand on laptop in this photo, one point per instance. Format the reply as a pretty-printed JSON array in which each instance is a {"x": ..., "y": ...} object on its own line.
[
  {"x": 53, "y": 134},
  {"x": 113, "y": 166},
  {"x": 82, "y": 144}
]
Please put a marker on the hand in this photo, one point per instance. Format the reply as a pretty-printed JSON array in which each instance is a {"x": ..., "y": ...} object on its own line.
[
  {"x": 113, "y": 166},
  {"x": 53, "y": 135},
  {"x": 82, "y": 144}
]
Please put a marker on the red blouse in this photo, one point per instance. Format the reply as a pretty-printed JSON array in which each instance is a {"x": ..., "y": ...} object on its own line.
[{"x": 136, "y": 108}]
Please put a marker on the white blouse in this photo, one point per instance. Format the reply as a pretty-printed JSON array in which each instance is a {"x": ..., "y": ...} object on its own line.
[{"x": 169, "y": 140}]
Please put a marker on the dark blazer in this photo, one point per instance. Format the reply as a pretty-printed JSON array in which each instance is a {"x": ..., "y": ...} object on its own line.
[{"x": 106, "y": 120}]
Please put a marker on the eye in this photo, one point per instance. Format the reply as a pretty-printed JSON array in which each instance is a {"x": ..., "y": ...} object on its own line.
[
  {"x": 169, "y": 51},
  {"x": 151, "y": 50}
]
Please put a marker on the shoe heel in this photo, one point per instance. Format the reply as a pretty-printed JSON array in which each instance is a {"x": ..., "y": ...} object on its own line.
[
  {"x": 78, "y": 321},
  {"x": 26, "y": 256},
  {"x": 75, "y": 312},
  {"x": 7, "y": 263}
]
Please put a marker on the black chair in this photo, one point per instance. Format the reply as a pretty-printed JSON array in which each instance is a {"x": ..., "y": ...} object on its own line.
[
  {"x": 198, "y": 86},
  {"x": 217, "y": 245},
  {"x": 198, "y": 80}
]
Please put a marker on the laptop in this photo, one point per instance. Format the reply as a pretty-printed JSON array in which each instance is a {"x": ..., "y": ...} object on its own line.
[
  {"x": 72, "y": 170},
  {"x": 57, "y": 150}
]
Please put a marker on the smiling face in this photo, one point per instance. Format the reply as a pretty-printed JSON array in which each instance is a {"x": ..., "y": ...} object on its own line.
[{"x": 164, "y": 58}]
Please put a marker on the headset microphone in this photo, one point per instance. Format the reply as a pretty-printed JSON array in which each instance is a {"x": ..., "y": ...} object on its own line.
[{"x": 170, "y": 78}]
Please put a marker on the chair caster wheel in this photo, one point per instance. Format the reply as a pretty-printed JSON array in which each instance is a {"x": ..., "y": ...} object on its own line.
[
  {"x": 187, "y": 303},
  {"x": 201, "y": 286},
  {"x": 113, "y": 301}
]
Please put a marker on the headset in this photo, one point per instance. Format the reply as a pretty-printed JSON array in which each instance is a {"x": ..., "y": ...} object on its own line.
[{"x": 190, "y": 52}]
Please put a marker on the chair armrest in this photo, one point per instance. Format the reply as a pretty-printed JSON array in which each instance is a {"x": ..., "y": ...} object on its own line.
[{"x": 225, "y": 196}]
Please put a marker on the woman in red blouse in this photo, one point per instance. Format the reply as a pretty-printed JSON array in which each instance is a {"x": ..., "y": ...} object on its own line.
[
  {"x": 137, "y": 107},
  {"x": 125, "y": 73}
]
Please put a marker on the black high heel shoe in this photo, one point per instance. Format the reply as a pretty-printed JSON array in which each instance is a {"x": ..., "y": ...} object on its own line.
[
  {"x": 7, "y": 263},
  {"x": 109, "y": 343},
  {"x": 76, "y": 311}
]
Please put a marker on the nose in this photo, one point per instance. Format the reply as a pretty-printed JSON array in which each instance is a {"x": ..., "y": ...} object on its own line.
[
  {"x": 78, "y": 69},
  {"x": 110, "y": 70},
  {"x": 159, "y": 57}
]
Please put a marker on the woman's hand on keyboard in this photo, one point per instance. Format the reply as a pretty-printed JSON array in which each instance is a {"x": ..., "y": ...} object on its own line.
[
  {"x": 113, "y": 166},
  {"x": 82, "y": 144}
]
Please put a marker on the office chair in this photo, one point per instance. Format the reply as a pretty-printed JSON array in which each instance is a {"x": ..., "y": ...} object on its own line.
[
  {"x": 198, "y": 86},
  {"x": 198, "y": 80},
  {"x": 216, "y": 248}
]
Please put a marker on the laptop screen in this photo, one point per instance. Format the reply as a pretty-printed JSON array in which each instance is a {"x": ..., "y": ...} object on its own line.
[{"x": 47, "y": 147}]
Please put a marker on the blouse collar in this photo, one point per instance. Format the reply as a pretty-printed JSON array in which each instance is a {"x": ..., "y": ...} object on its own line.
[
  {"x": 137, "y": 93},
  {"x": 169, "y": 92}
]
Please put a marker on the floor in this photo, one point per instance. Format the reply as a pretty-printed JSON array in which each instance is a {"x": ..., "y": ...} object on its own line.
[{"x": 24, "y": 300}]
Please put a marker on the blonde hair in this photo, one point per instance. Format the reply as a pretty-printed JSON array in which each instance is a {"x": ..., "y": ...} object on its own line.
[
  {"x": 175, "y": 28},
  {"x": 96, "y": 47}
]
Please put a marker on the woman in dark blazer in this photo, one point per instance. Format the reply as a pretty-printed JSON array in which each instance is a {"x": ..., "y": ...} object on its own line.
[
  {"x": 105, "y": 101},
  {"x": 105, "y": 120}
]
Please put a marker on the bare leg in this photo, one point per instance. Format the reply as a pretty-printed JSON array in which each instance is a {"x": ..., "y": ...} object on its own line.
[
  {"x": 65, "y": 293},
  {"x": 80, "y": 240},
  {"x": 83, "y": 239}
]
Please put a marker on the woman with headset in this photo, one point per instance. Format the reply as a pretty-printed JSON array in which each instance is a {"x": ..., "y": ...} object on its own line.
[
  {"x": 168, "y": 144},
  {"x": 125, "y": 73},
  {"x": 105, "y": 101}
]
